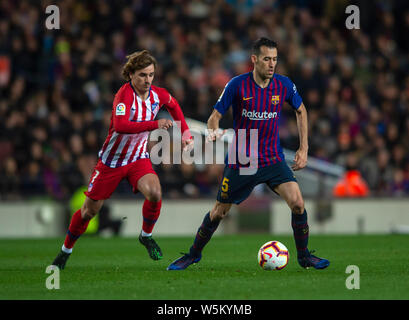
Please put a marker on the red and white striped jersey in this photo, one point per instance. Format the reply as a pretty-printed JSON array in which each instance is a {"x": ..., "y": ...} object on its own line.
[{"x": 132, "y": 120}]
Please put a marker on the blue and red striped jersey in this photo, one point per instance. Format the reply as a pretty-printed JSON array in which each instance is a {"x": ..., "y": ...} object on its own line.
[{"x": 257, "y": 108}]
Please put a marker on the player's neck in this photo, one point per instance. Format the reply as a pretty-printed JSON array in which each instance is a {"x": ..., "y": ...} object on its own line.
[
  {"x": 141, "y": 94},
  {"x": 263, "y": 83}
]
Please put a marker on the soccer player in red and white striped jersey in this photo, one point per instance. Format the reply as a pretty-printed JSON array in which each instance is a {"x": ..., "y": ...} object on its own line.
[{"x": 124, "y": 153}]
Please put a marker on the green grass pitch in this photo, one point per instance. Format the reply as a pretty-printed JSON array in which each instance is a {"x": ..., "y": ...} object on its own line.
[{"x": 119, "y": 268}]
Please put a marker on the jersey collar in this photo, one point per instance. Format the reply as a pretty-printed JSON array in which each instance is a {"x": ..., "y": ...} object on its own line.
[
  {"x": 269, "y": 83},
  {"x": 149, "y": 95}
]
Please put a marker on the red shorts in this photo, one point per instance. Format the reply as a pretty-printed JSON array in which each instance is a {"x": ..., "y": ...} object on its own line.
[{"x": 105, "y": 180}]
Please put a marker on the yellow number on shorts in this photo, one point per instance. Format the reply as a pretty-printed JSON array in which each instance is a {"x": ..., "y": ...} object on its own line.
[{"x": 225, "y": 186}]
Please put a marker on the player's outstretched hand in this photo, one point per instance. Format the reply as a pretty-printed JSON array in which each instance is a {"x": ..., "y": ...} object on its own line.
[
  {"x": 164, "y": 124},
  {"x": 187, "y": 145},
  {"x": 212, "y": 135},
  {"x": 300, "y": 160}
]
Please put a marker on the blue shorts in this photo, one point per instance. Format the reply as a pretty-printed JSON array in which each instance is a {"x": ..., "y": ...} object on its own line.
[{"x": 236, "y": 188}]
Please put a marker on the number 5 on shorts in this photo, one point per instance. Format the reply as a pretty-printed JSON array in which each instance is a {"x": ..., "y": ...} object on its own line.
[{"x": 225, "y": 186}]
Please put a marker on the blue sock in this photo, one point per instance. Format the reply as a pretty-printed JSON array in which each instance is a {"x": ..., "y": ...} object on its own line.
[
  {"x": 203, "y": 235},
  {"x": 301, "y": 232}
]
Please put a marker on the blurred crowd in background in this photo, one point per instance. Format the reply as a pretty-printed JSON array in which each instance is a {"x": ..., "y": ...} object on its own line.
[{"x": 57, "y": 86}]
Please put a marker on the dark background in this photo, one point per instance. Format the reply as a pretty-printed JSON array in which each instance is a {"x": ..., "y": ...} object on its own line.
[{"x": 57, "y": 86}]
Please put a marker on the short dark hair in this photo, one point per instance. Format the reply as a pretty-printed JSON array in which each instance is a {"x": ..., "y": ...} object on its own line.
[{"x": 262, "y": 42}]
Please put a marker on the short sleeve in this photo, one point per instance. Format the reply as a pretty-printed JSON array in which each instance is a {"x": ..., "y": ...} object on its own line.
[
  {"x": 226, "y": 98},
  {"x": 292, "y": 97}
]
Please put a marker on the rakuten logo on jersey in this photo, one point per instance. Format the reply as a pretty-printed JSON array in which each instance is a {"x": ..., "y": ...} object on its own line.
[{"x": 254, "y": 115}]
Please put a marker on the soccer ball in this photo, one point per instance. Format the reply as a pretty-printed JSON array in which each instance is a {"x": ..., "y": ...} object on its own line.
[{"x": 273, "y": 255}]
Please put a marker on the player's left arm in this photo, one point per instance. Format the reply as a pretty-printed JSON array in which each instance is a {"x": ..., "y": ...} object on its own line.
[
  {"x": 294, "y": 99},
  {"x": 176, "y": 112},
  {"x": 301, "y": 156}
]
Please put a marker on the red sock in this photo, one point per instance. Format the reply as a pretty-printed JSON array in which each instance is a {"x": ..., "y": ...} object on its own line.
[
  {"x": 77, "y": 227},
  {"x": 150, "y": 213}
]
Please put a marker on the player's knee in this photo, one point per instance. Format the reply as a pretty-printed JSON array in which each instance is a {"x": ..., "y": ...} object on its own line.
[
  {"x": 218, "y": 215},
  {"x": 88, "y": 212},
  {"x": 220, "y": 211},
  {"x": 90, "y": 208},
  {"x": 297, "y": 206},
  {"x": 154, "y": 195}
]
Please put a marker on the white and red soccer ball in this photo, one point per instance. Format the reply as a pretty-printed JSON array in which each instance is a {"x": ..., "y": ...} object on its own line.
[{"x": 273, "y": 255}]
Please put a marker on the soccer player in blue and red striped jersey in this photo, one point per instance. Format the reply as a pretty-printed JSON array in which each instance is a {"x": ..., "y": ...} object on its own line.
[{"x": 257, "y": 98}]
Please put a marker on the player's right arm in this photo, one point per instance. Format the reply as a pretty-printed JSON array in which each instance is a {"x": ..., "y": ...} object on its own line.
[
  {"x": 121, "y": 116},
  {"x": 220, "y": 108},
  {"x": 213, "y": 126}
]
